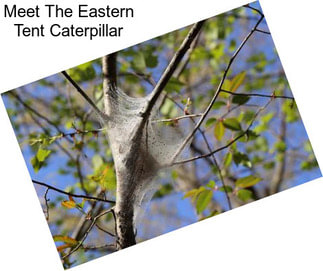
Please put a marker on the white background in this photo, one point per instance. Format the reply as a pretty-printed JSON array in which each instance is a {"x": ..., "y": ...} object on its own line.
[{"x": 282, "y": 232}]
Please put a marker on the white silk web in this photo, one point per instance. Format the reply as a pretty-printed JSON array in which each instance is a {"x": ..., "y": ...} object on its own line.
[{"x": 156, "y": 145}]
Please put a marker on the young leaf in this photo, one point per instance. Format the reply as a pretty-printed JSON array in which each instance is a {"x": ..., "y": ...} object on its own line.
[
  {"x": 237, "y": 81},
  {"x": 42, "y": 154},
  {"x": 247, "y": 181},
  {"x": 203, "y": 200},
  {"x": 36, "y": 164},
  {"x": 139, "y": 62},
  {"x": 218, "y": 104},
  {"x": 194, "y": 192},
  {"x": 228, "y": 159},
  {"x": 232, "y": 124},
  {"x": 240, "y": 99},
  {"x": 69, "y": 204},
  {"x": 211, "y": 184},
  {"x": 244, "y": 194},
  {"x": 151, "y": 60},
  {"x": 65, "y": 239},
  {"x": 226, "y": 188},
  {"x": 219, "y": 130}
]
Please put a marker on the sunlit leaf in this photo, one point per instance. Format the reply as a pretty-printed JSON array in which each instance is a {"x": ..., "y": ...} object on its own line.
[
  {"x": 42, "y": 154},
  {"x": 219, "y": 130},
  {"x": 65, "y": 239},
  {"x": 244, "y": 194},
  {"x": 237, "y": 81},
  {"x": 203, "y": 200},
  {"x": 227, "y": 159},
  {"x": 232, "y": 124},
  {"x": 218, "y": 104},
  {"x": 211, "y": 184},
  {"x": 247, "y": 181},
  {"x": 69, "y": 204}
]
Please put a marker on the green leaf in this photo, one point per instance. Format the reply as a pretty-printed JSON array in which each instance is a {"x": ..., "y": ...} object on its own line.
[
  {"x": 226, "y": 86},
  {"x": 228, "y": 159},
  {"x": 139, "y": 62},
  {"x": 83, "y": 72},
  {"x": 280, "y": 146},
  {"x": 248, "y": 116},
  {"x": 69, "y": 124},
  {"x": 219, "y": 130},
  {"x": 42, "y": 154},
  {"x": 211, "y": 184},
  {"x": 308, "y": 165},
  {"x": 239, "y": 99},
  {"x": 82, "y": 203},
  {"x": 232, "y": 124},
  {"x": 210, "y": 122},
  {"x": 247, "y": 181},
  {"x": 267, "y": 118},
  {"x": 194, "y": 192},
  {"x": 218, "y": 105},
  {"x": 226, "y": 188},
  {"x": 244, "y": 194},
  {"x": 203, "y": 200},
  {"x": 269, "y": 165},
  {"x": 291, "y": 112},
  {"x": 308, "y": 147},
  {"x": 151, "y": 60},
  {"x": 240, "y": 158},
  {"x": 36, "y": 164},
  {"x": 237, "y": 81}
]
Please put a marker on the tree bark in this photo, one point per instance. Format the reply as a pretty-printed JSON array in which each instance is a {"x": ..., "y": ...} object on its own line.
[{"x": 125, "y": 159}]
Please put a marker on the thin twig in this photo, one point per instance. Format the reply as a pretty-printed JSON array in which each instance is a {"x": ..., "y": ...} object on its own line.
[
  {"x": 87, "y": 233},
  {"x": 178, "y": 118},
  {"x": 46, "y": 203},
  {"x": 104, "y": 230},
  {"x": 168, "y": 72},
  {"x": 208, "y": 109},
  {"x": 263, "y": 31},
  {"x": 99, "y": 247},
  {"x": 228, "y": 144},
  {"x": 257, "y": 95},
  {"x": 72, "y": 194},
  {"x": 84, "y": 95},
  {"x": 35, "y": 112}
]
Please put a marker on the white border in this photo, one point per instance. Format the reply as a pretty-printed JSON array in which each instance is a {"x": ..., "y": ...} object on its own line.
[{"x": 282, "y": 232}]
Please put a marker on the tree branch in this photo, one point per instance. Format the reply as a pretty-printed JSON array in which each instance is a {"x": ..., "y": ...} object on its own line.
[
  {"x": 72, "y": 194},
  {"x": 84, "y": 95},
  {"x": 168, "y": 72},
  {"x": 258, "y": 95},
  {"x": 188, "y": 138},
  {"x": 87, "y": 232},
  {"x": 228, "y": 144}
]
